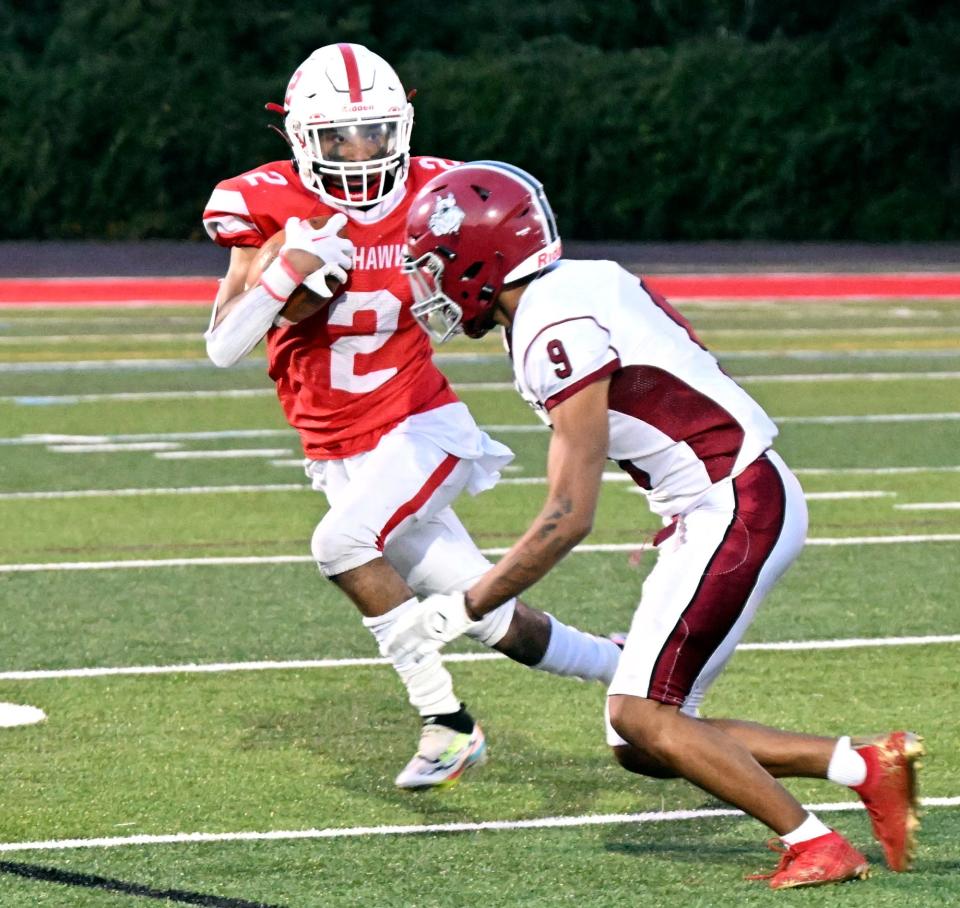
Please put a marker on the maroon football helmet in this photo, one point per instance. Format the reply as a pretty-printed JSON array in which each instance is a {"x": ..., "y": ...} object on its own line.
[{"x": 470, "y": 231}]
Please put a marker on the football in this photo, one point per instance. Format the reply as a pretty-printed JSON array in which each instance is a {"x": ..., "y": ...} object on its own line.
[{"x": 303, "y": 302}]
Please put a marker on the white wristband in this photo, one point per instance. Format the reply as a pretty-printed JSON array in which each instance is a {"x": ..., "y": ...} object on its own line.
[{"x": 280, "y": 279}]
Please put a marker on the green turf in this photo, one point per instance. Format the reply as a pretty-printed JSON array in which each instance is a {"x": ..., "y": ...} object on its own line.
[{"x": 298, "y": 749}]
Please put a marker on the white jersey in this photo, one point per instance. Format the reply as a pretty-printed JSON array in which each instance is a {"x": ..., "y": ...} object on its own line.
[{"x": 678, "y": 423}]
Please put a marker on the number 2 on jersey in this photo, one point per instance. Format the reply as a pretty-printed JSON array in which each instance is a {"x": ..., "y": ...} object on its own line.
[{"x": 385, "y": 308}]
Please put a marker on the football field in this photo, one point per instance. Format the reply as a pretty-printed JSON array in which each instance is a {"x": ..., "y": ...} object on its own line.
[{"x": 220, "y": 730}]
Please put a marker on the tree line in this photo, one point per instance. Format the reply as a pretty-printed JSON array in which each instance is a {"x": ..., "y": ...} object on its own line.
[{"x": 651, "y": 120}]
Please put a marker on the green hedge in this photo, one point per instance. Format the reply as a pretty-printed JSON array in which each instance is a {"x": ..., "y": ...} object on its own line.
[{"x": 661, "y": 120}]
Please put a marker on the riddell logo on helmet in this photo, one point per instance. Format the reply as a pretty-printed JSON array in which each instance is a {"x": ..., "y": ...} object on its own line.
[
  {"x": 357, "y": 108},
  {"x": 548, "y": 256}
]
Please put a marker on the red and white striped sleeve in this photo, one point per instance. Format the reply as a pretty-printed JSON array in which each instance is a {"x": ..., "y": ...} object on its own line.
[{"x": 227, "y": 218}]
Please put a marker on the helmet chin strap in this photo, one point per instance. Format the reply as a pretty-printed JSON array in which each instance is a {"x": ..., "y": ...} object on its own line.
[
  {"x": 276, "y": 108},
  {"x": 282, "y": 135}
]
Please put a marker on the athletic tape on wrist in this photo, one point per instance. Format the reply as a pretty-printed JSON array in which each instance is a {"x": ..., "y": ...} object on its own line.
[{"x": 280, "y": 279}]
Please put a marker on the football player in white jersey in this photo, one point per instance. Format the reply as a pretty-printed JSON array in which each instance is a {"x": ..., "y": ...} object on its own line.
[
  {"x": 620, "y": 375},
  {"x": 385, "y": 437}
]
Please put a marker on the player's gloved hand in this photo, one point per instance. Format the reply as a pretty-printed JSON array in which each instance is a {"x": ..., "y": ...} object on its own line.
[
  {"x": 334, "y": 251},
  {"x": 426, "y": 627}
]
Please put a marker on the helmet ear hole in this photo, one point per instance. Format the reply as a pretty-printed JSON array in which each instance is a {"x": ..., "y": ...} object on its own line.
[
  {"x": 480, "y": 191},
  {"x": 470, "y": 273}
]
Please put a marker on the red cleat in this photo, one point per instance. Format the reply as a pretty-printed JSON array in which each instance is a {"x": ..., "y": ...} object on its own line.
[
  {"x": 828, "y": 858},
  {"x": 890, "y": 793}
]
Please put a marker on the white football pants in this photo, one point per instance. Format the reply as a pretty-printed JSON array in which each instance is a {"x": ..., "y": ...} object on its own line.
[{"x": 395, "y": 501}]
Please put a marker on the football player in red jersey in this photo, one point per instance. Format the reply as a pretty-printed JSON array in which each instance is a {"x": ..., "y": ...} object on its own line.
[
  {"x": 621, "y": 376},
  {"x": 385, "y": 437}
]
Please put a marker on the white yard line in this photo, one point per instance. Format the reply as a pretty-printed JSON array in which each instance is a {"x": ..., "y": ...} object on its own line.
[
  {"x": 813, "y": 541},
  {"x": 863, "y": 331},
  {"x": 846, "y": 376},
  {"x": 868, "y": 418},
  {"x": 237, "y": 560},
  {"x": 843, "y": 418},
  {"x": 178, "y": 365},
  {"x": 47, "y": 438},
  {"x": 936, "y": 331},
  {"x": 135, "y": 396},
  {"x": 175, "y": 364},
  {"x": 114, "y": 448},
  {"x": 28, "y": 317},
  {"x": 181, "y": 363},
  {"x": 872, "y": 471},
  {"x": 929, "y": 506},
  {"x": 135, "y": 493},
  {"x": 520, "y": 428},
  {"x": 623, "y": 478},
  {"x": 298, "y": 487},
  {"x": 193, "y": 668},
  {"x": 845, "y": 496},
  {"x": 13, "y": 340},
  {"x": 835, "y": 354},
  {"x": 808, "y": 377},
  {"x": 225, "y": 454},
  {"x": 558, "y": 822},
  {"x": 307, "y": 559},
  {"x": 240, "y": 393}
]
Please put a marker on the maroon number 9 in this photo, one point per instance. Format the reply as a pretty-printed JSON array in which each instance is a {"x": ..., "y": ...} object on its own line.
[{"x": 559, "y": 356}]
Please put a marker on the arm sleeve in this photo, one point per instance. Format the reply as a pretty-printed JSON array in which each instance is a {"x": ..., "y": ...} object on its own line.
[
  {"x": 567, "y": 356},
  {"x": 243, "y": 327}
]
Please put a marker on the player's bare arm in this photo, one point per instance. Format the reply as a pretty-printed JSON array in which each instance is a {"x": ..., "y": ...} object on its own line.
[{"x": 578, "y": 453}]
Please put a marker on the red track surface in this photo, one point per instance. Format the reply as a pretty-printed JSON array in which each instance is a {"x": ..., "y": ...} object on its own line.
[{"x": 189, "y": 291}]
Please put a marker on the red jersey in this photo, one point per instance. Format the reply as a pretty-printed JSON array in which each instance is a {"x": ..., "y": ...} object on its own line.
[{"x": 349, "y": 374}]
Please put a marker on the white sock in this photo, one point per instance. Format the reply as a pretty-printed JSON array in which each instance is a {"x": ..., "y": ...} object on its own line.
[
  {"x": 575, "y": 654},
  {"x": 810, "y": 828},
  {"x": 429, "y": 685},
  {"x": 846, "y": 767}
]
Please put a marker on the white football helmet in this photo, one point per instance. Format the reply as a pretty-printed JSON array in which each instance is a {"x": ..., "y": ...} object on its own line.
[{"x": 348, "y": 120}]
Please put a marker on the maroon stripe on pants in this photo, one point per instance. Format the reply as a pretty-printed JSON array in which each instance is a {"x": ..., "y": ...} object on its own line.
[{"x": 726, "y": 584}]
